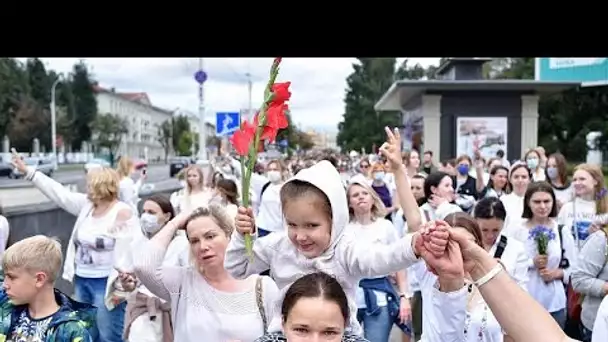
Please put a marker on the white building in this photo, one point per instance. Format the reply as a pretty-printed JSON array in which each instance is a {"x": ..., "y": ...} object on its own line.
[{"x": 143, "y": 119}]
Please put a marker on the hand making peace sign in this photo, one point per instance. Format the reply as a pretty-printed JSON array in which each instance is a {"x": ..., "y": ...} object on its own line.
[{"x": 391, "y": 149}]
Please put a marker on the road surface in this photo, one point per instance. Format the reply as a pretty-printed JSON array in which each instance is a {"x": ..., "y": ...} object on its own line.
[
  {"x": 155, "y": 173},
  {"x": 15, "y": 193}
]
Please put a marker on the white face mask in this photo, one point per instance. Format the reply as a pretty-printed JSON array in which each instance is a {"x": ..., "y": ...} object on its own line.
[
  {"x": 273, "y": 176},
  {"x": 149, "y": 223}
]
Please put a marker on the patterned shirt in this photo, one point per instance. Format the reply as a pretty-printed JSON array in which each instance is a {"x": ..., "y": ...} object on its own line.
[{"x": 28, "y": 329}]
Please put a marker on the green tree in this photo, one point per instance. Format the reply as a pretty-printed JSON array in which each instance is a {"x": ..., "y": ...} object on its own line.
[
  {"x": 30, "y": 121},
  {"x": 40, "y": 91},
  {"x": 109, "y": 131},
  {"x": 181, "y": 126},
  {"x": 165, "y": 136},
  {"x": 361, "y": 126},
  {"x": 184, "y": 145},
  {"x": 85, "y": 104},
  {"x": 13, "y": 85}
]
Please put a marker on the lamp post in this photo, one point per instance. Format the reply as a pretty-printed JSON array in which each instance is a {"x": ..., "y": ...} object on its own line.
[
  {"x": 201, "y": 76},
  {"x": 54, "y": 122}
]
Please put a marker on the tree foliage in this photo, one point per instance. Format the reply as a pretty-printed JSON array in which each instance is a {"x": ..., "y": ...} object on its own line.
[
  {"x": 25, "y": 99},
  {"x": 109, "y": 132},
  {"x": 361, "y": 126},
  {"x": 165, "y": 137}
]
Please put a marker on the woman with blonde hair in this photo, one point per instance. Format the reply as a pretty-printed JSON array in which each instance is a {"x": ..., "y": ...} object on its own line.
[
  {"x": 379, "y": 305},
  {"x": 206, "y": 301},
  {"x": 195, "y": 194},
  {"x": 588, "y": 212},
  {"x": 99, "y": 243},
  {"x": 129, "y": 190}
]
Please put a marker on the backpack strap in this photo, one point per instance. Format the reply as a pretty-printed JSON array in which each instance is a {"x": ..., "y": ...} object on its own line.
[
  {"x": 264, "y": 189},
  {"x": 563, "y": 262},
  {"x": 500, "y": 249},
  {"x": 426, "y": 215}
]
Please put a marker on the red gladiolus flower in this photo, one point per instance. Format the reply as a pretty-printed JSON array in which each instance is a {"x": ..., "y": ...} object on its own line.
[
  {"x": 277, "y": 60},
  {"x": 269, "y": 132},
  {"x": 276, "y": 116},
  {"x": 243, "y": 138},
  {"x": 281, "y": 93}
]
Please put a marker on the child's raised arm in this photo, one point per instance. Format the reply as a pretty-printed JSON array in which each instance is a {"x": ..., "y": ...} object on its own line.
[
  {"x": 237, "y": 262},
  {"x": 391, "y": 149}
]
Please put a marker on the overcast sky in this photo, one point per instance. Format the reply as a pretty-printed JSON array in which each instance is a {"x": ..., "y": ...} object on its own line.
[{"x": 318, "y": 84}]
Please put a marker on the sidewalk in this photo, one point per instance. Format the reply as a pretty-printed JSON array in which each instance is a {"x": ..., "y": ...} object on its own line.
[{"x": 16, "y": 197}]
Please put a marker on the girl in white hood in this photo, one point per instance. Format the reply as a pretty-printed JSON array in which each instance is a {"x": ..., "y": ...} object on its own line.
[{"x": 315, "y": 211}]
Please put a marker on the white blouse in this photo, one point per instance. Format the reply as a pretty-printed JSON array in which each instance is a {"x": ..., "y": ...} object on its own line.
[
  {"x": 600, "y": 327},
  {"x": 515, "y": 260},
  {"x": 551, "y": 296},
  {"x": 479, "y": 324}
]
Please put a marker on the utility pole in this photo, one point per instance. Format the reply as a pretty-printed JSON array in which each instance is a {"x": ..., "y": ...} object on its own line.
[
  {"x": 200, "y": 78},
  {"x": 249, "y": 88},
  {"x": 54, "y": 122}
]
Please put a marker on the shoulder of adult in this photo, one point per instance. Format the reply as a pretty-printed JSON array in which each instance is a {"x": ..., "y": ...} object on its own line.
[{"x": 125, "y": 212}]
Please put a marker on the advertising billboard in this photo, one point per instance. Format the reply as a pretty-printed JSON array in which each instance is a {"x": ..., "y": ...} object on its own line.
[{"x": 591, "y": 71}]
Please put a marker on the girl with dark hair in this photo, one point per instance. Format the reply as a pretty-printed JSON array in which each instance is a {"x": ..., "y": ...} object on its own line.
[
  {"x": 547, "y": 272},
  {"x": 144, "y": 322},
  {"x": 438, "y": 197},
  {"x": 557, "y": 175},
  {"x": 519, "y": 178},
  {"x": 498, "y": 184},
  {"x": 226, "y": 194},
  {"x": 465, "y": 184},
  {"x": 490, "y": 215}
]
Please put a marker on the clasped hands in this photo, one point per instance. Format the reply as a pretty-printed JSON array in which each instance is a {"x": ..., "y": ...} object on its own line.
[{"x": 447, "y": 252}]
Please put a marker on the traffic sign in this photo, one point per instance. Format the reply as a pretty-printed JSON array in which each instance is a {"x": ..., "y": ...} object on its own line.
[
  {"x": 227, "y": 123},
  {"x": 591, "y": 71},
  {"x": 200, "y": 77}
]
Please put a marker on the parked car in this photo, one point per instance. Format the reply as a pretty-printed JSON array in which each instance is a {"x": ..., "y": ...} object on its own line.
[
  {"x": 177, "y": 164},
  {"x": 41, "y": 165},
  {"x": 97, "y": 162},
  {"x": 140, "y": 164},
  {"x": 5, "y": 168}
]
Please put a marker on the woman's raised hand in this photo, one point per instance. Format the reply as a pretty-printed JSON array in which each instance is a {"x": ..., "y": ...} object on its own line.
[
  {"x": 391, "y": 149},
  {"x": 18, "y": 162}
]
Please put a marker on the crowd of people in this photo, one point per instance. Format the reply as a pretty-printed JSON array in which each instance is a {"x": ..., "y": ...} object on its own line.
[{"x": 344, "y": 248}]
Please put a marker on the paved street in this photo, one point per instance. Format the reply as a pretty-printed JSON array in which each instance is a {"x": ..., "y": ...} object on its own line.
[
  {"x": 155, "y": 174},
  {"x": 14, "y": 193}
]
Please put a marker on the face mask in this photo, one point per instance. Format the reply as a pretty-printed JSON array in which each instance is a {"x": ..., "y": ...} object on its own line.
[
  {"x": 552, "y": 172},
  {"x": 379, "y": 176},
  {"x": 532, "y": 163},
  {"x": 149, "y": 223},
  {"x": 227, "y": 169},
  {"x": 463, "y": 169},
  {"x": 273, "y": 176}
]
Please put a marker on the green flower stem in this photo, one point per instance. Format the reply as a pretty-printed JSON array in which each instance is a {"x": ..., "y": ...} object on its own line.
[{"x": 253, "y": 149}]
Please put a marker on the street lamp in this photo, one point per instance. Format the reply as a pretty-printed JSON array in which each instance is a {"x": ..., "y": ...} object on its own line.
[{"x": 54, "y": 121}]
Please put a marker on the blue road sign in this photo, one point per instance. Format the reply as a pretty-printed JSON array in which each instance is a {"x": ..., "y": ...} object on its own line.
[
  {"x": 200, "y": 77},
  {"x": 227, "y": 123},
  {"x": 591, "y": 71}
]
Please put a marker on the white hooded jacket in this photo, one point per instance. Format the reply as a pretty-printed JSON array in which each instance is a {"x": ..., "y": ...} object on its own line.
[{"x": 345, "y": 259}]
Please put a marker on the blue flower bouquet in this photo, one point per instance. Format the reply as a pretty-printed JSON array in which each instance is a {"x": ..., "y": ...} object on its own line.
[{"x": 542, "y": 235}]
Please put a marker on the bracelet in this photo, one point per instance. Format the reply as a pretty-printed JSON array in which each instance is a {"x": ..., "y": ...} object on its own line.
[{"x": 489, "y": 276}]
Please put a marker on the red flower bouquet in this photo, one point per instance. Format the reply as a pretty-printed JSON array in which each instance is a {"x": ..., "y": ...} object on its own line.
[{"x": 248, "y": 140}]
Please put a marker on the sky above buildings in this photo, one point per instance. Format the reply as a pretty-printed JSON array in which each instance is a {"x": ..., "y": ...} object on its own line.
[{"x": 318, "y": 84}]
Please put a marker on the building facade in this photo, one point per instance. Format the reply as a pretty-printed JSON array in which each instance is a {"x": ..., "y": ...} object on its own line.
[{"x": 143, "y": 119}]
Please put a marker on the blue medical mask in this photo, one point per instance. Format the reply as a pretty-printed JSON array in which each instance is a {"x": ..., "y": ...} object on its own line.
[
  {"x": 532, "y": 163},
  {"x": 463, "y": 169},
  {"x": 379, "y": 175},
  {"x": 552, "y": 172}
]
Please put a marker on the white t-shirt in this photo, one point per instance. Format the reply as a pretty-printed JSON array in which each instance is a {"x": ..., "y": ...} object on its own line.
[
  {"x": 380, "y": 231},
  {"x": 600, "y": 327},
  {"x": 95, "y": 243},
  {"x": 4, "y": 233}
]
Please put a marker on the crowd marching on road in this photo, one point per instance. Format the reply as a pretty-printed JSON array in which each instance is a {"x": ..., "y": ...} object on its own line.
[{"x": 331, "y": 248}]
